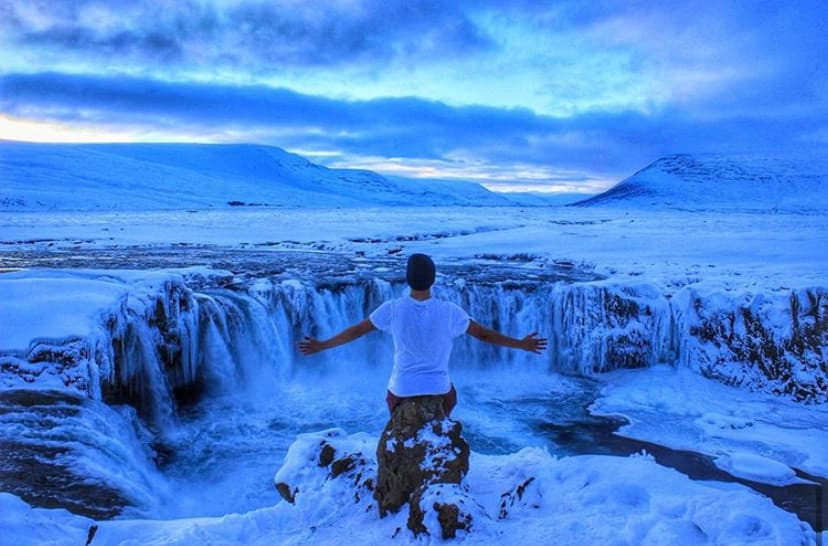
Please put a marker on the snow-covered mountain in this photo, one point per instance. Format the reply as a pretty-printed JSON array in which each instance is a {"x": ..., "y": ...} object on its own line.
[
  {"x": 726, "y": 182},
  {"x": 177, "y": 176}
]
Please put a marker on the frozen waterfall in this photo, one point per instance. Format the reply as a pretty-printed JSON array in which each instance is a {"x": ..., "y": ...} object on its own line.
[
  {"x": 196, "y": 337},
  {"x": 185, "y": 341}
]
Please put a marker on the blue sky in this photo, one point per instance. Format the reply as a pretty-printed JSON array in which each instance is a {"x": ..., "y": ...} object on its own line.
[{"x": 563, "y": 96}]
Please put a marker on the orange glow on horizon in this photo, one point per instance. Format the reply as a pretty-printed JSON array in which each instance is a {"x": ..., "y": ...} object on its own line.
[
  {"x": 41, "y": 131},
  {"x": 26, "y": 130}
]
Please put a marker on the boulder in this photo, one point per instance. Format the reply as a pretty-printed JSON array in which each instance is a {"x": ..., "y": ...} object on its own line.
[
  {"x": 418, "y": 447},
  {"x": 444, "y": 509},
  {"x": 328, "y": 462}
]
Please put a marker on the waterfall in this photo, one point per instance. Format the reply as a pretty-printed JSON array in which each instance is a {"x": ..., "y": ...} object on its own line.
[
  {"x": 163, "y": 348},
  {"x": 227, "y": 339}
]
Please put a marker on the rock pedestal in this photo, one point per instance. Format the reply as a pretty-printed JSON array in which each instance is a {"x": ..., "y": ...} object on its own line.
[
  {"x": 419, "y": 446},
  {"x": 421, "y": 462}
]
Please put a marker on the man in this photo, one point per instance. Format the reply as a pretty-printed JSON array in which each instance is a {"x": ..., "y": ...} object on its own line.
[{"x": 423, "y": 329}]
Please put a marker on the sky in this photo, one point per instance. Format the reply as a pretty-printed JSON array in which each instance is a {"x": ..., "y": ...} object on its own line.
[{"x": 568, "y": 96}]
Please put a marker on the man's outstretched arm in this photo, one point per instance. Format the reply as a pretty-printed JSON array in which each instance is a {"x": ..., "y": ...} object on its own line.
[
  {"x": 309, "y": 345},
  {"x": 531, "y": 343}
]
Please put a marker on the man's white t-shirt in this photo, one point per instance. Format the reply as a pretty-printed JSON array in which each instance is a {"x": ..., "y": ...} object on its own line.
[{"x": 423, "y": 332}]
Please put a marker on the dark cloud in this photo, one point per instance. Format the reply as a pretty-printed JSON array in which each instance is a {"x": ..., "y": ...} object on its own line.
[
  {"x": 259, "y": 35},
  {"x": 600, "y": 142},
  {"x": 159, "y": 45}
]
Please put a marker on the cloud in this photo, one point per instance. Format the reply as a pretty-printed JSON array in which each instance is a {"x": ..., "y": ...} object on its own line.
[
  {"x": 561, "y": 58},
  {"x": 139, "y": 100},
  {"x": 475, "y": 138},
  {"x": 715, "y": 58},
  {"x": 481, "y": 87},
  {"x": 257, "y": 35}
]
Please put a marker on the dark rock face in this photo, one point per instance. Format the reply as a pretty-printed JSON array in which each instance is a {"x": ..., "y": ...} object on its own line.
[
  {"x": 607, "y": 328},
  {"x": 743, "y": 345},
  {"x": 772, "y": 341},
  {"x": 285, "y": 492},
  {"x": 418, "y": 448},
  {"x": 152, "y": 345}
]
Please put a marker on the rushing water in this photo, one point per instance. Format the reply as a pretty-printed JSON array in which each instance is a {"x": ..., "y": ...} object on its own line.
[{"x": 228, "y": 449}]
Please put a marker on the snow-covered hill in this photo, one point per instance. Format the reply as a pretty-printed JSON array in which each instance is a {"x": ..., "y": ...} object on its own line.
[
  {"x": 723, "y": 182},
  {"x": 179, "y": 176}
]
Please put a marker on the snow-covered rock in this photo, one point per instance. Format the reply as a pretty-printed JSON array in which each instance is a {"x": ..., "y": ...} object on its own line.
[
  {"x": 445, "y": 510},
  {"x": 533, "y": 498},
  {"x": 771, "y": 342},
  {"x": 327, "y": 472}
]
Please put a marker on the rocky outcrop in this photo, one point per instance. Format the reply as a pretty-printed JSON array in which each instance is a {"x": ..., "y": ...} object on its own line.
[
  {"x": 353, "y": 467},
  {"x": 774, "y": 343},
  {"x": 419, "y": 446},
  {"x": 423, "y": 462},
  {"x": 420, "y": 453}
]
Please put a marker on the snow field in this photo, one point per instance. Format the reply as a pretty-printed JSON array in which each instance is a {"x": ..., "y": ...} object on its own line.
[
  {"x": 571, "y": 500},
  {"x": 716, "y": 250}
]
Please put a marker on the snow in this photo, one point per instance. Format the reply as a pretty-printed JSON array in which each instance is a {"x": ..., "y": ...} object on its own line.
[
  {"x": 572, "y": 500},
  {"x": 724, "y": 182},
  {"x": 21, "y": 524},
  {"x": 751, "y": 466},
  {"x": 754, "y": 436},
  {"x": 53, "y": 305},
  {"x": 744, "y": 221},
  {"x": 721, "y": 250},
  {"x": 186, "y": 176},
  {"x": 49, "y": 305}
]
